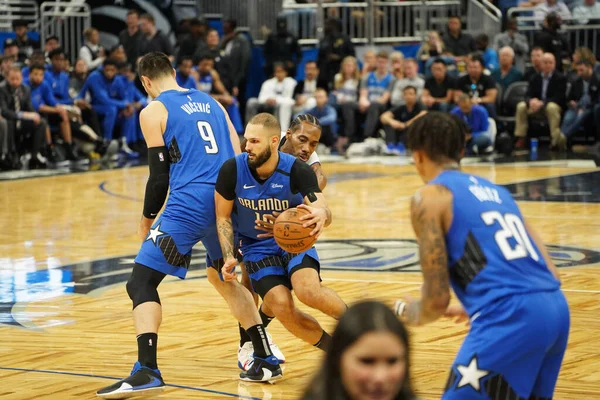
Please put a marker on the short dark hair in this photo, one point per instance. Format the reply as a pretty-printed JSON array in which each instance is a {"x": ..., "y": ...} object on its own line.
[
  {"x": 19, "y": 22},
  {"x": 110, "y": 61},
  {"x": 155, "y": 65},
  {"x": 36, "y": 66},
  {"x": 308, "y": 118},
  {"x": 311, "y": 62},
  {"x": 148, "y": 17},
  {"x": 56, "y": 52},
  {"x": 268, "y": 121},
  {"x": 409, "y": 87},
  {"x": 439, "y": 60},
  {"x": 132, "y": 11},
  {"x": 454, "y": 16},
  {"x": 52, "y": 38},
  {"x": 536, "y": 48},
  {"x": 231, "y": 22},
  {"x": 440, "y": 135},
  {"x": 476, "y": 57},
  {"x": 198, "y": 22},
  {"x": 185, "y": 58},
  {"x": 205, "y": 56},
  {"x": 278, "y": 65}
]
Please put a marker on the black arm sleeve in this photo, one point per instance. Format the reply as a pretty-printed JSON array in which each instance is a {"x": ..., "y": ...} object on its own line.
[
  {"x": 227, "y": 179},
  {"x": 303, "y": 180},
  {"x": 158, "y": 181}
]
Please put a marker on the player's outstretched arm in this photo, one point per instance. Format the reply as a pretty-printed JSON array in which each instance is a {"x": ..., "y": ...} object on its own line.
[
  {"x": 430, "y": 211},
  {"x": 153, "y": 120},
  {"x": 542, "y": 247},
  {"x": 224, "y": 197}
]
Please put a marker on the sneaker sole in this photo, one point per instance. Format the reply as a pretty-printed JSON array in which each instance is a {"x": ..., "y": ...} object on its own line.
[
  {"x": 133, "y": 393},
  {"x": 240, "y": 366},
  {"x": 270, "y": 380}
]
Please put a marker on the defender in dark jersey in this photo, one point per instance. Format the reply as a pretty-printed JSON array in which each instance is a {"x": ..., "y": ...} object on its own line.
[
  {"x": 258, "y": 183},
  {"x": 472, "y": 236},
  {"x": 189, "y": 137},
  {"x": 300, "y": 141}
]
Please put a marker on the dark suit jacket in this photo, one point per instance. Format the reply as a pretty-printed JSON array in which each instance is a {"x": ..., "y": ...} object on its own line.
[
  {"x": 556, "y": 92},
  {"x": 577, "y": 89},
  {"x": 299, "y": 89},
  {"x": 7, "y": 103}
]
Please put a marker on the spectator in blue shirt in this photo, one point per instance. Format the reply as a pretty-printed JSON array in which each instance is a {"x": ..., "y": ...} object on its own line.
[
  {"x": 184, "y": 71},
  {"x": 327, "y": 116},
  {"x": 507, "y": 74},
  {"x": 477, "y": 118},
  {"x": 109, "y": 99},
  {"x": 490, "y": 57},
  {"x": 45, "y": 103},
  {"x": 136, "y": 99}
]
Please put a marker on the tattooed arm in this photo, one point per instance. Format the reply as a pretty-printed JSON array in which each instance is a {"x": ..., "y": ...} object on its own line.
[
  {"x": 321, "y": 178},
  {"x": 224, "y": 198},
  {"x": 431, "y": 215}
]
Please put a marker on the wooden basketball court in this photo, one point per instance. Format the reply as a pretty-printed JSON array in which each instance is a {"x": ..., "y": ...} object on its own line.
[{"x": 68, "y": 242}]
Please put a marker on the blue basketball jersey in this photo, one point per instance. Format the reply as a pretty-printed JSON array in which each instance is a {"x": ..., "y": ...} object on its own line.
[
  {"x": 376, "y": 86},
  {"x": 205, "y": 83},
  {"x": 197, "y": 136},
  {"x": 490, "y": 253},
  {"x": 253, "y": 200}
]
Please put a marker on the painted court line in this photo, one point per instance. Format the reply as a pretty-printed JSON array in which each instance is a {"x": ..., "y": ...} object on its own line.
[{"x": 42, "y": 371}]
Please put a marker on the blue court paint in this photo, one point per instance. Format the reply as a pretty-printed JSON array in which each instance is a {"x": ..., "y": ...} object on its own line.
[
  {"x": 102, "y": 186},
  {"x": 42, "y": 371}
]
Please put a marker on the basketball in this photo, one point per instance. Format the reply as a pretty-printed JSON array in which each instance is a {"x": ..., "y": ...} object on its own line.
[{"x": 289, "y": 233}]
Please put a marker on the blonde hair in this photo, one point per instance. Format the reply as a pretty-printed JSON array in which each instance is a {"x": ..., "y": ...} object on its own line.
[
  {"x": 397, "y": 55},
  {"x": 426, "y": 47},
  {"x": 87, "y": 34},
  {"x": 339, "y": 77}
]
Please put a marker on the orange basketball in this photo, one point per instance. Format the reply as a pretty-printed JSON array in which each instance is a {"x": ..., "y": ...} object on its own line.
[{"x": 289, "y": 233}]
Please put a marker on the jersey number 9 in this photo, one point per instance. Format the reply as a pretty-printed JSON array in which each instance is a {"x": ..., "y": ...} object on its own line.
[
  {"x": 511, "y": 226},
  {"x": 207, "y": 134}
]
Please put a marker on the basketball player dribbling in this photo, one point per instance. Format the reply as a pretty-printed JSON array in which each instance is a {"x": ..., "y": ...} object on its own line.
[
  {"x": 257, "y": 183},
  {"x": 189, "y": 137},
  {"x": 472, "y": 236},
  {"x": 300, "y": 141}
]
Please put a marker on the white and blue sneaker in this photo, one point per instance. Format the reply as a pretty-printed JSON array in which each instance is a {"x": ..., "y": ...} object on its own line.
[
  {"x": 263, "y": 370},
  {"x": 246, "y": 353},
  {"x": 142, "y": 381}
]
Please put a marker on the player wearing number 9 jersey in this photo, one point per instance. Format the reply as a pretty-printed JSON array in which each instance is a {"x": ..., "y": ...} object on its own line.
[
  {"x": 473, "y": 237},
  {"x": 189, "y": 137}
]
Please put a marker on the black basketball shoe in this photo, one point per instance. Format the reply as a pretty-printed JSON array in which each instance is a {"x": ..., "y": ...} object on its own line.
[
  {"x": 142, "y": 381},
  {"x": 263, "y": 370}
]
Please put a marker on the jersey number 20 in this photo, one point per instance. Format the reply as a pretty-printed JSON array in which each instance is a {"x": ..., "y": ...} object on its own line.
[
  {"x": 511, "y": 226},
  {"x": 207, "y": 134}
]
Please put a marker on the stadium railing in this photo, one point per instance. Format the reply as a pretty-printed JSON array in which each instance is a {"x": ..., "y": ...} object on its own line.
[
  {"x": 66, "y": 21},
  {"x": 11, "y": 10}
]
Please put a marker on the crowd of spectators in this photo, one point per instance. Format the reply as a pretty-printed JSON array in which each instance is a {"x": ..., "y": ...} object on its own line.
[{"x": 46, "y": 104}]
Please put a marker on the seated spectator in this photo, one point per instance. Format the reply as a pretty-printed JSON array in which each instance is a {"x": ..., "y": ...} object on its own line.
[
  {"x": 154, "y": 39},
  {"x": 369, "y": 63},
  {"x": 36, "y": 58},
  {"x": 327, "y": 116},
  {"x": 456, "y": 42},
  {"x": 507, "y": 73},
  {"x": 282, "y": 47},
  {"x": 131, "y": 37},
  {"x": 582, "y": 98},
  {"x": 11, "y": 50},
  {"x": 398, "y": 119},
  {"x": 210, "y": 82},
  {"x": 276, "y": 96},
  {"x": 551, "y": 40},
  {"x": 582, "y": 54},
  {"x": 183, "y": 75},
  {"x": 515, "y": 40},
  {"x": 397, "y": 62},
  {"x": 77, "y": 79},
  {"x": 6, "y": 63},
  {"x": 481, "y": 88},
  {"x": 433, "y": 47},
  {"x": 439, "y": 89},
  {"x": 345, "y": 98},
  {"x": 536, "y": 64},
  {"x": 411, "y": 78},
  {"x": 477, "y": 118},
  {"x": 7, "y": 140},
  {"x": 57, "y": 79},
  {"x": 333, "y": 47},
  {"x": 195, "y": 42},
  {"x": 45, "y": 104},
  {"x": 109, "y": 98},
  {"x": 52, "y": 43},
  {"x": 16, "y": 108},
  {"x": 490, "y": 57},
  {"x": 551, "y": 6},
  {"x": 305, "y": 90},
  {"x": 375, "y": 94},
  {"x": 138, "y": 101},
  {"x": 25, "y": 44},
  {"x": 213, "y": 50},
  {"x": 587, "y": 13},
  {"x": 118, "y": 54},
  {"x": 91, "y": 52},
  {"x": 545, "y": 97}
]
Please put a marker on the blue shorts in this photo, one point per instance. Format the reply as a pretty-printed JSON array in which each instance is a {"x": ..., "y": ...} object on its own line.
[
  {"x": 188, "y": 218},
  {"x": 277, "y": 269},
  {"x": 514, "y": 349}
]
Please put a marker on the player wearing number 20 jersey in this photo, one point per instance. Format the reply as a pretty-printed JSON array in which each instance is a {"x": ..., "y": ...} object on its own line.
[{"x": 473, "y": 237}]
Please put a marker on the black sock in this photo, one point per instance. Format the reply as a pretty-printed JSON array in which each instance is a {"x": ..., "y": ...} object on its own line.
[
  {"x": 266, "y": 320},
  {"x": 324, "y": 342},
  {"x": 147, "y": 343},
  {"x": 244, "y": 338},
  {"x": 259, "y": 341}
]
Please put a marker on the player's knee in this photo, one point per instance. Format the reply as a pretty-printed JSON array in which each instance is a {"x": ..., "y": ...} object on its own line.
[
  {"x": 308, "y": 294},
  {"x": 142, "y": 285},
  {"x": 282, "y": 307}
]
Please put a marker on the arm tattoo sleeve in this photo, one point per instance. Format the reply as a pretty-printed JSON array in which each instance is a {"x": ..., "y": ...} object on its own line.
[{"x": 225, "y": 231}]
